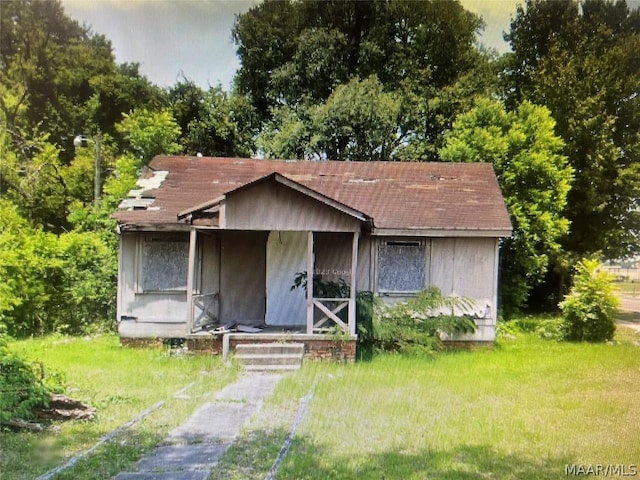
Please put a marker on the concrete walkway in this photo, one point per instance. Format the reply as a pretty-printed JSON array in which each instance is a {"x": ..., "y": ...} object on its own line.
[{"x": 193, "y": 449}]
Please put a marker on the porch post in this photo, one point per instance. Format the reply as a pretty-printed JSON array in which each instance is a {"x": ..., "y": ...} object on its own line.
[
  {"x": 190, "y": 277},
  {"x": 354, "y": 274},
  {"x": 310, "y": 282}
]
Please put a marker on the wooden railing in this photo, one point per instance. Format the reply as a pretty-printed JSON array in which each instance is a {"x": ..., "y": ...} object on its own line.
[
  {"x": 205, "y": 309},
  {"x": 330, "y": 313}
]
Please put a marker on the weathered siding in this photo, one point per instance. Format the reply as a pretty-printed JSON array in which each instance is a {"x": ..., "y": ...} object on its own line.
[
  {"x": 468, "y": 267},
  {"x": 364, "y": 280},
  {"x": 333, "y": 256},
  {"x": 286, "y": 256},
  {"x": 465, "y": 267},
  {"x": 242, "y": 277},
  {"x": 141, "y": 313},
  {"x": 273, "y": 206}
]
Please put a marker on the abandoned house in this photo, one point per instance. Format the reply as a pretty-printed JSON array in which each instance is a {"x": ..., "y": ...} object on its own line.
[{"x": 217, "y": 246}]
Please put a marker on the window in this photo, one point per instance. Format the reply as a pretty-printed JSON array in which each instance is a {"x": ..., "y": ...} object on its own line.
[
  {"x": 165, "y": 264},
  {"x": 401, "y": 266}
]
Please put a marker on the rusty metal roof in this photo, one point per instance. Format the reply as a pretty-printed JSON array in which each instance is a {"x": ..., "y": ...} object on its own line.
[{"x": 396, "y": 195}]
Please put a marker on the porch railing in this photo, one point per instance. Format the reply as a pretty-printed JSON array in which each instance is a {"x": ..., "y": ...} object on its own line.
[
  {"x": 330, "y": 308},
  {"x": 205, "y": 310}
]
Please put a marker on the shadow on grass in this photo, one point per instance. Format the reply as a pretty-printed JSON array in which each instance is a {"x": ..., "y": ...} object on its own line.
[
  {"x": 253, "y": 456},
  {"x": 466, "y": 462}
]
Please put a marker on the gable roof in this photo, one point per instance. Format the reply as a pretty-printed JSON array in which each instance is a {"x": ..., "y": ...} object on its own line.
[
  {"x": 395, "y": 195},
  {"x": 278, "y": 178}
]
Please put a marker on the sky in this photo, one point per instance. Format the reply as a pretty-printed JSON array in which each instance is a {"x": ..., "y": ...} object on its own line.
[{"x": 192, "y": 38}]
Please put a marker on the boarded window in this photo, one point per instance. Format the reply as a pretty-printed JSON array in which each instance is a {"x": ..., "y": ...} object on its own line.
[
  {"x": 165, "y": 264},
  {"x": 401, "y": 267}
]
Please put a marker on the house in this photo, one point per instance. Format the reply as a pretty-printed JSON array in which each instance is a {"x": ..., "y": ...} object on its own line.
[{"x": 207, "y": 244}]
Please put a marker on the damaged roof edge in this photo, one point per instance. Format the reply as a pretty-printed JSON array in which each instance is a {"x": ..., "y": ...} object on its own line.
[{"x": 202, "y": 206}]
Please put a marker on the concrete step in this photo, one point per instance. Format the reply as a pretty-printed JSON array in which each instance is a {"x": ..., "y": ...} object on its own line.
[
  {"x": 271, "y": 368},
  {"x": 269, "y": 348},
  {"x": 270, "y": 356}
]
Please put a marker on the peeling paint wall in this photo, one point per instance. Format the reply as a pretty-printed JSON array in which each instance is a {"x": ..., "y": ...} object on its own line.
[{"x": 158, "y": 313}]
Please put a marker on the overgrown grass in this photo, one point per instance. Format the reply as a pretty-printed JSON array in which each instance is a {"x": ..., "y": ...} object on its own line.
[
  {"x": 520, "y": 411},
  {"x": 120, "y": 383}
]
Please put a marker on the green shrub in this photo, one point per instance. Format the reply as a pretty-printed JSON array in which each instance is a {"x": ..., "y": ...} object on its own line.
[
  {"x": 417, "y": 326},
  {"x": 590, "y": 306},
  {"x": 21, "y": 389},
  {"x": 551, "y": 329},
  {"x": 545, "y": 327},
  {"x": 88, "y": 285}
]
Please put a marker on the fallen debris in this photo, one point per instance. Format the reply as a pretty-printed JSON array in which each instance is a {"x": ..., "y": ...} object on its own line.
[
  {"x": 19, "y": 425},
  {"x": 62, "y": 407}
]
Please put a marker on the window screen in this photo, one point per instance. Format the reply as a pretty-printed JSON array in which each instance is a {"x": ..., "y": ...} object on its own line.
[
  {"x": 165, "y": 264},
  {"x": 401, "y": 267}
]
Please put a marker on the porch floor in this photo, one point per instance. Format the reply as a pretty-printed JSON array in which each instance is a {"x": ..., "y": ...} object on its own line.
[{"x": 268, "y": 329}]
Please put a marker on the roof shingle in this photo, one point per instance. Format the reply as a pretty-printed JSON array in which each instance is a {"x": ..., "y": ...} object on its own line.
[{"x": 397, "y": 195}]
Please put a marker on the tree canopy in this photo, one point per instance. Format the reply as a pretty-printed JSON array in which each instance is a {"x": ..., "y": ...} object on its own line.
[
  {"x": 581, "y": 61},
  {"x": 535, "y": 179},
  {"x": 303, "y": 64}
]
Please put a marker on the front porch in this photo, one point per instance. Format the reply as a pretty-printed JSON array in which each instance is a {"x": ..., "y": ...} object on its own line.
[{"x": 257, "y": 282}]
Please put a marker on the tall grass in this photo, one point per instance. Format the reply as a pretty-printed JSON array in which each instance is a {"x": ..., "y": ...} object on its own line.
[
  {"x": 521, "y": 411},
  {"x": 119, "y": 382}
]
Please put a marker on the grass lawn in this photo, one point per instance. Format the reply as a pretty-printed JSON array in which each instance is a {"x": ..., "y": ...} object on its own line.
[
  {"x": 120, "y": 383},
  {"x": 521, "y": 411},
  {"x": 628, "y": 288}
]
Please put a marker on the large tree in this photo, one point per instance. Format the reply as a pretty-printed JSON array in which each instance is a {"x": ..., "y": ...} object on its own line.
[
  {"x": 359, "y": 121},
  {"x": 535, "y": 180},
  {"x": 213, "y": 122},
  {"x": 295, "y": 55},
  {"x": 581, "y": 61}
]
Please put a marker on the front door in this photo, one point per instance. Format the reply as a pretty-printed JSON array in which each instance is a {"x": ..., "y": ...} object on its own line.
[{"x": 286, "y": 256}]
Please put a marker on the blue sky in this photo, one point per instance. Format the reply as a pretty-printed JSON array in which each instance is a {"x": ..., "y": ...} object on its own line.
[{"x": 172, "y": 38}]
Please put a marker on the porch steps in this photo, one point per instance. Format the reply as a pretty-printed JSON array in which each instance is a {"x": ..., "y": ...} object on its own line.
[{"x": 270, "y": 356}]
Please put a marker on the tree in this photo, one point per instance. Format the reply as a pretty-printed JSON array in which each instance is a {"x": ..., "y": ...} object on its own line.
[
  {"x": 295, "y": 56},
  {"x": 535, "y": 179},
  {"x": 150, "y": 133},
  {"x": 30, "y": 272},
  {"x": 214, "y": 123},
  {"x": 581, "y": 62},
  {"x": 49, "y": 62},
  {"x": 359, "y": 121}
]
